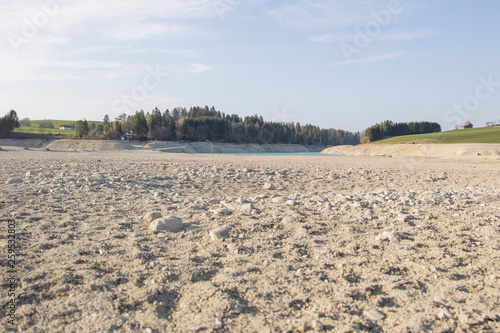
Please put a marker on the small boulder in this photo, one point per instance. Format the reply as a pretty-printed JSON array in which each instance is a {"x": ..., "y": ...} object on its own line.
[
  {"x": 219, "y": 233},
  {"x": 268, "y": 186},
  {"x": 221, "y": 211},
  {"x": 150, "y": 217},
  {"x": 246, "y": 208},
  {"x": 169, "y": 223},
  {"x": 374, "y": 314},
  {"x": 14, "y": 181}
]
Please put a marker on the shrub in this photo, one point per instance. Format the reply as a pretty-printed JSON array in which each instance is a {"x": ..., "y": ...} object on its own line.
[{"x": 46, "y": 124}]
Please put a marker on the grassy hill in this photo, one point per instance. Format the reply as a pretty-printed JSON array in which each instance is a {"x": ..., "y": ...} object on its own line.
[
  {"x": 472, "y": 135},
  {"x": 56, "y": 132}
]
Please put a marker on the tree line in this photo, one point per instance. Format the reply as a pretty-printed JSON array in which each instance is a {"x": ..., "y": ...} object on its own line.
[
  {"x": 204, "y": 123},
  {"x": 388, "y": 129},
  {"x": 9, "y": 123}
]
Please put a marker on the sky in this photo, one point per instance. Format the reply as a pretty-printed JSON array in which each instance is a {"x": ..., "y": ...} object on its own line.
[{"x": 336, "y": 64}]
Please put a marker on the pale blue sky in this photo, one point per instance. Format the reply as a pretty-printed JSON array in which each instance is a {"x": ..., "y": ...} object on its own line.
[{"x": 336, "y": 64}]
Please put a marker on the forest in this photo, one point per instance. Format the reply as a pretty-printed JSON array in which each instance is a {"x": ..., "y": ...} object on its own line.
[
  {"x": 389, "y": 129},
  {"x": 204, "y": 123}
]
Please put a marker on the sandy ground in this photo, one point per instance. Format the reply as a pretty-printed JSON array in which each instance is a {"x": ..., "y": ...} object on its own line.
[
  {"x": 326, "y": 243},
  {"x": 429, "y": 150},
  {"x": 162, "y": 146}
]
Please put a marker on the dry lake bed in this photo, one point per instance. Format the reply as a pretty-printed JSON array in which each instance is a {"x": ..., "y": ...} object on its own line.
[{"x": 144, "y": 241}]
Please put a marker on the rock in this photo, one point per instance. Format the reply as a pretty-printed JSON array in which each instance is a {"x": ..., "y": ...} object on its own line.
[
  {"x": 289, "y": 220},
  {"x": 150, "y": 217},
  {"x": 221, "y": 211},
  {"x": 439, "y": 302},
  {"x": 14, "y": 181},
  {"x": 374, "y": 314},
  {"x": 445, "y": 314},
  {"x": 219, "y": 233},
  {"x": 169, "y": 223},
  {"x": 403, "y": 218},
  {"x": 313, "y": 325},
  {"x": 277, "y": 199},
  {"x": 242, "y": 200},
  {"x": 247, "y": 208},
  {"x": 291, "y": 202},
  {"x": 268, "y": 186},
  {"x": 388, "y": 235}
]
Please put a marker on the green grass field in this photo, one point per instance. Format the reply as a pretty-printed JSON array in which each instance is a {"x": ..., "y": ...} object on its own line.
[
  {"x": 472, "y": 135},
  {"x": 35, "y": 129}
]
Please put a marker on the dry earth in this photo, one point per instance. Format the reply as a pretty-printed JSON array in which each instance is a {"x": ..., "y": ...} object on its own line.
[
  {"x": 418, "y": 149},
  {"x": 324, "y": 243}
]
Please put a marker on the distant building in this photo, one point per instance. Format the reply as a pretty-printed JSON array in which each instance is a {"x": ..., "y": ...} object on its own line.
[
  {"x": 468, "y": 125},
  {"x": 66, "y": 127},
  {"x": 127, "y": 137}
]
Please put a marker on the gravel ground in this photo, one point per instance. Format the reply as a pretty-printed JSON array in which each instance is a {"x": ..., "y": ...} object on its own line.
[{"x": 153, "y": 242}]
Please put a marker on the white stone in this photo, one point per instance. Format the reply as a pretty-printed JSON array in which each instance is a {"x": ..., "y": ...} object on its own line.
[
  {"x": 221, "y": 211},
  {"x": 247, "y": 208},
  {"x": 14, "y": 181},
  {"x": 289, "y": 220},
  {"x": 169, "y": 223},
  {"x": 374, "y": 314},
  {"x": 268, "y": 186},
  {"x": 150, "y": 217},
  {"x": 219, "y": 233}
]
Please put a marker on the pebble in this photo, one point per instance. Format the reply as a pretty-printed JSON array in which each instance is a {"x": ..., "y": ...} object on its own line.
[
  {"x": 444, "y": 314},
  {"x": 289, "y": 220},
  {"x": 374, "y": 314},
  {"x": 221, "y": 211},
  {"x": 439, "y": 302},
  {"x": 241, "y": 200},
  {"x": 268, "y": 186},
  {"x": 14, "y": 181},
  {"x": 388, "y": 235},
  {"x": 247, "y": 208},
  {"x": 313, "y": 325},
  {"x": 219, "y": 233},
  {"x": 169, "y": 223},
  {"x": 150, "y": 217}
]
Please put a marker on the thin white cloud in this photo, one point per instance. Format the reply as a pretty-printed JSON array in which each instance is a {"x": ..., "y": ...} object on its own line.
[
  {"x": 390, "y": 35},
  {"x": 182, "y": 53},
  {"x": 367, "y": 60},
  {"x": 334, "y": 14},
  {"x": 200, "y": 68},
  {"x": 83, "y": 64},
  {"x": 307, "y": 14},
  {"x": 336, "y": 37}
]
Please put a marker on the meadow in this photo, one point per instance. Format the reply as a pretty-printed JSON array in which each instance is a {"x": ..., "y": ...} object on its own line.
[{"x": 472, "y": 135}]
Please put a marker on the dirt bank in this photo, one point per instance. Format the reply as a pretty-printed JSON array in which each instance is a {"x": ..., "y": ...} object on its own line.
[
  {"x": 420, "y": 150},
  {"x": 164, "y": 146}
]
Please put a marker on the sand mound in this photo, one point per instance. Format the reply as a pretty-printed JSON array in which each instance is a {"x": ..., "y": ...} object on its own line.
[
  {"x": 28, "y": 143},
  {"x": 88, "y": 145},
  {"x": 421, "y": 150}
]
